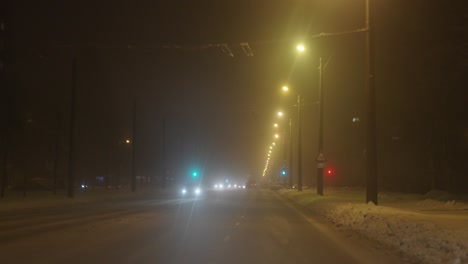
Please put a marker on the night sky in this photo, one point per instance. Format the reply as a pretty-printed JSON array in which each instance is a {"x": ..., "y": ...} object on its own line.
[{"x": 219, "y": 109}]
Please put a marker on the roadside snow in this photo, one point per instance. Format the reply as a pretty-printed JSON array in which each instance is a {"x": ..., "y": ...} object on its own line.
[{"x": 428, "y": 231}]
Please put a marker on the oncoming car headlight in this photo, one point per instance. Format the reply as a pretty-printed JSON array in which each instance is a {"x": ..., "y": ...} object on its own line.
[
  {"x": 197, "y": 191},
  {"x": 184, "y": 191}
]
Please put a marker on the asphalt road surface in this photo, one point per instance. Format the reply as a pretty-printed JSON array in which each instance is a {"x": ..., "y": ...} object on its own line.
[{"x": 236, "y": 226}]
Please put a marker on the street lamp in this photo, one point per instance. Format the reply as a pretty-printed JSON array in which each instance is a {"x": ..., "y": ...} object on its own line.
[
  {"x": 285, "y": 89},
  {"x": 321, "y": 160},
  {"x": 300, "y": 48},
  {"x": 299, "y": 136}
]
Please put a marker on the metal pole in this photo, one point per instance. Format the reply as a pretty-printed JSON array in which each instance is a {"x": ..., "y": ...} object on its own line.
[
  {"x": 164, "y": 160},
  {"x": 299, "y": 149},
  {"x": 133, "y": 146},
  {"x": 371, "y": 176},
  {"x": 56, "y": 154},
  {"x": 6, "y": 151},
  {"x": 284, "y": 157},
  {"x": 290, "y": 154},
  {"x": 320, "y": 149},
  {"x": 71, "y": 158}
]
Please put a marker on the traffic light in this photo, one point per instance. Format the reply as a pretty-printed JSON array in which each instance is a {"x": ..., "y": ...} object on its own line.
[
  {"x": 283, "y": 172},
  {"x": 194, "y": 174},
  {"x": 329, "y": 172}
]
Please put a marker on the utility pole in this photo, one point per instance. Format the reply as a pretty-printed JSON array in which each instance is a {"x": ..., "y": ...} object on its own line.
[
  {"x": 71, "y": 155},
  {"x": 6, "y": 52},
  {"x": 6, "y": 139},
  {"x": 371, "y": 153},
  {"x": 320, "y": 158},
  {"x": 299, "y": 154},
  {"x": 164, "y": 165},
  {"x": 290, "y": 153},
  {"x": 133, "y": 180},
  {"x": 57, "y": 146},
  {"x": 284, "y": 158}
]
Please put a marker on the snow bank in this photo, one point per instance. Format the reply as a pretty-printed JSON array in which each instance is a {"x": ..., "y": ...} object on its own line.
[{"x": 426, "y": 237}]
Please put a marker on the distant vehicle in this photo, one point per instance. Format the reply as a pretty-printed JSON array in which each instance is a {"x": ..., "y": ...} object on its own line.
[
  {"x": 191, "y": 190},
  {"x": 251, "y": 184}
]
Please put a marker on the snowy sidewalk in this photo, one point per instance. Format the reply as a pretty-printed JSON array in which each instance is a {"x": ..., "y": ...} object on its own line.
[
  {"x": 427, "y": 230},
  {"x": 39, "y": 199}
]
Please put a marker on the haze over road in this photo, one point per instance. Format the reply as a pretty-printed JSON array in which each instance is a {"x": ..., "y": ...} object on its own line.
[{"x": 236, "y": 226}]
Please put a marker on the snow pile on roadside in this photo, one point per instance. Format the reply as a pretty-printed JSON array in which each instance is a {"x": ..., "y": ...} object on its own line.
[
  {"x": 433, "y": 205},
  {"x": 424, "y": 241},
  {"x": 425, "y": 237}
]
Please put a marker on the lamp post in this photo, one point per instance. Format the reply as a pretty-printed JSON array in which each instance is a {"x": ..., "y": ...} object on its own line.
[
  {"x": 371, "y": 153},
  {"x": 321, "y": 160},
  {"x": 320, "y": 157},
  {"x": 299, "y": 137},
  {"x": 299, "y": 147},
  {"x": 290, "y": 153}
]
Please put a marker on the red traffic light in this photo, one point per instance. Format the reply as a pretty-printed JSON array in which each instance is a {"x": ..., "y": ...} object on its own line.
[{"x": 329, "y": 172}]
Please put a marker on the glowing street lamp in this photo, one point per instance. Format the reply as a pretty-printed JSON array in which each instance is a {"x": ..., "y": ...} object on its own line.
[
  {"x": 276, "y": 136},
  {"x": 320, "y": 157},
  {"x": 275, "y": 125},
  {"x": 300, "y": 48},
  {"x": 280, "y": 114}
]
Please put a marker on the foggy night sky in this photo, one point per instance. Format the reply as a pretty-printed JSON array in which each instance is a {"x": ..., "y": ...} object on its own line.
[{"x": 219, "y": 109}]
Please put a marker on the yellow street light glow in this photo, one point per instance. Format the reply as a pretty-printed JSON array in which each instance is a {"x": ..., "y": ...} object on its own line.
[
  {"x": 274, "y": 143},
  {"x": 271, "y": 147},
  {"x": 275, "y": 125},
  {"x": 300, "y": 48},
  {"x": 285, "y": 88},
  {"x": 276, "y": 136},
  {"x": 127, "y": 141},
  {"x": 280, "y": 113}
]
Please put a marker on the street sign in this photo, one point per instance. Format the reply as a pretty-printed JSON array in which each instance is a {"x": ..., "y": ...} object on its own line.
[
  {"x": 321, "y": 165},
  {"x": 321, "y": 158}
]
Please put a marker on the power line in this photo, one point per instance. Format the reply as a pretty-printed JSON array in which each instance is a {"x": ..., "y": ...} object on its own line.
[{"x": 227, "y": 48}]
